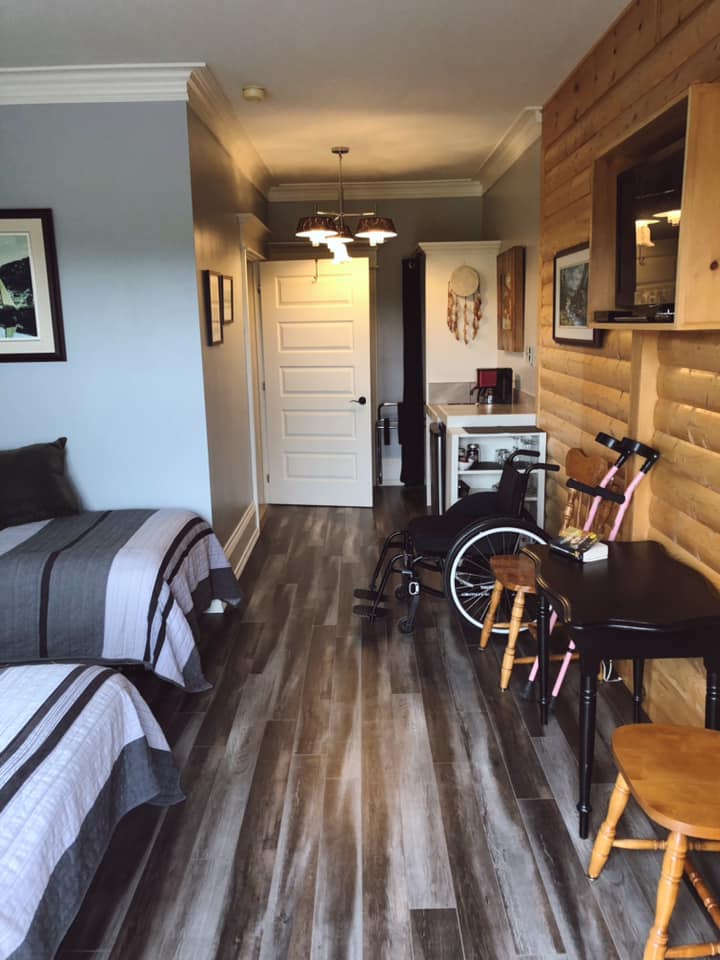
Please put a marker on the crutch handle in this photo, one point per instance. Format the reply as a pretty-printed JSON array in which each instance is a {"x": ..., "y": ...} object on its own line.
[
  {"x": 610, "y": 442},
  {"x": 649, "y": 454},
  {"x": 602, "y": 492}
]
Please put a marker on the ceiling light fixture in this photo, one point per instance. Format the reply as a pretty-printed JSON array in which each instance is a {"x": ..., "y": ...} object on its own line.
[
  {"x": 254, "y": 92},
  {"x": 329, "y": 227}
]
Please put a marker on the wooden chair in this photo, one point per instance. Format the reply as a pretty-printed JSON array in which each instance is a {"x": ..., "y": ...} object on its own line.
[
  {"x": 674, "y": 775},
  {"x": 516, "y": 573}
]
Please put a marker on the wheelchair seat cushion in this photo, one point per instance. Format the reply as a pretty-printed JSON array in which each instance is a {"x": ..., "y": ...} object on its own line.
[{"x": 435, "y": 535}]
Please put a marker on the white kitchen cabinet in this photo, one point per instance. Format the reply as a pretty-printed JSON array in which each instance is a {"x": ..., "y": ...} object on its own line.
[{"x": 495, "y": 445}]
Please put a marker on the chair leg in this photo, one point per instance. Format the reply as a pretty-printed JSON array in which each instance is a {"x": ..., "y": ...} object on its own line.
[
  {"x": 670, "y": 877},
  {"x": 489, "y": 621},
  {"x": 515, "y": 623},
  {"x": 606, "y": 833}
]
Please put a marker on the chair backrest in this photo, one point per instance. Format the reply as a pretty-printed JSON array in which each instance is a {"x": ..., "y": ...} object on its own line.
[
  {"x": 588, "y": 469},
  {"x": 511, "y": 490}
]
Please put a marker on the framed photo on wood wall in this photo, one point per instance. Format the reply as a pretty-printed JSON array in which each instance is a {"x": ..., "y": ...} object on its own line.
[
  {"x": 31, "y": 326},
  {"x": 511, "y": 299},
  {"x": 212, "y": 296},
  {"x": 571, "y": 324}
]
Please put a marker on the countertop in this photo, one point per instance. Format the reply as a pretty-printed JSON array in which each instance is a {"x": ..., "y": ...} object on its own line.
[{"x": 521, "y": 414}]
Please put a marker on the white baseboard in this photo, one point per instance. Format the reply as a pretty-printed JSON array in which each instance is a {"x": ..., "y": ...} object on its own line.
[{"x": 247, "y": 527}]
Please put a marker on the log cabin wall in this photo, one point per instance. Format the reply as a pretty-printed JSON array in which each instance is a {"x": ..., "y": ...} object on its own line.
[{"x": 666, "y": 386}]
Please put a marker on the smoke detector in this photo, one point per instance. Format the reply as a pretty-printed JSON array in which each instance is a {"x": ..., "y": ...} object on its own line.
[{"x": 253, "y": 92}]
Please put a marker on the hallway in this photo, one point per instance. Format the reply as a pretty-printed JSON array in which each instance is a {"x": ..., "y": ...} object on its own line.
[{"x": 352, "y": 792}]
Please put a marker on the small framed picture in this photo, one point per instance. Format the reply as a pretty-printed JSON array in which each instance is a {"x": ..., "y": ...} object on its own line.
[
  {"x": 213, "y": 306},
  {"x": 228, "y": 309},
  {"x": 571, "y": 324},
  {"x": 31, "y": 326}
]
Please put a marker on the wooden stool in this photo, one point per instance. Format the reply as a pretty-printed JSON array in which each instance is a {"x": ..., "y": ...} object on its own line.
[
  {"x": 674, "y": 775},
  {"x": 514, "y": 572}
]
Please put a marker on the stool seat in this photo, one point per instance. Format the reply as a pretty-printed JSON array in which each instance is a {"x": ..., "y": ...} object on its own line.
[
  {"x": 515, "y": 571},
  {"x": 674, "y": 774}
]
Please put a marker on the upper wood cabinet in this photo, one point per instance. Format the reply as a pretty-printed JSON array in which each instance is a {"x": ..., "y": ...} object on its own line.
[{"x": 697, "y": 290}]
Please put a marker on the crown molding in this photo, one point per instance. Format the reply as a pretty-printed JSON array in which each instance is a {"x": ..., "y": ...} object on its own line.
[
  {"x": 209, "y": 102},
  {"x": 96, "y": 83},
  {"x": 376, "y": 190},
  {"x": 460, "y": 246},
  {"x": 523, "y": 132},
  {"x": 191, "y": 83}
]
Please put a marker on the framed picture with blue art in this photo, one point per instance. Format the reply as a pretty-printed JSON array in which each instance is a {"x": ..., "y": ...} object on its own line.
[
  {"x": 31, "y": 326},
  {"x": 571, "y": 324}
]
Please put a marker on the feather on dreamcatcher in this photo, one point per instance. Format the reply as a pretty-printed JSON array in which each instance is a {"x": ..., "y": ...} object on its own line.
[{"x": 464, "y": 308}]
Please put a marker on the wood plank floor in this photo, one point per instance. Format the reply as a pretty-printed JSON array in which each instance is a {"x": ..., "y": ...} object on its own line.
[{"x": 352, "y": 792}]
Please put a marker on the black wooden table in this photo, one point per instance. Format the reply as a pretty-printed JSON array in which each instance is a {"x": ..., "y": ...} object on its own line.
[{"x": 638, "y": 604}]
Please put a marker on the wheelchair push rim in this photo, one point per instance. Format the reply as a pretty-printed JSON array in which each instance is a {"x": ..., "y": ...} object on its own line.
[{"x": 469, "y": 580}]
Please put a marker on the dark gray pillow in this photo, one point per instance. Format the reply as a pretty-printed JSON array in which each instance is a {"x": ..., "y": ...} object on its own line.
[{"x": 33, "y": 485}]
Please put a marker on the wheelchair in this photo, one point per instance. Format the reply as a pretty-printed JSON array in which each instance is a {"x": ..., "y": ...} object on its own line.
[{"x": 458, "y": 547}]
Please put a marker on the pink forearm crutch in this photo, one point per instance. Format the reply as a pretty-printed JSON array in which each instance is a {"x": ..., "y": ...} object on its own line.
[{"x": 628, "y": 446}]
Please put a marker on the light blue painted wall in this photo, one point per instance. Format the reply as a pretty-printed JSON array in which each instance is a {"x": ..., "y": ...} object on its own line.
[{"x": 130, "y": 396}]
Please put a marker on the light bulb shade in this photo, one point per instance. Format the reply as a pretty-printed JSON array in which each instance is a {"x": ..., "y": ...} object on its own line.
[
  {"x": 316, "y": 228},
  {"x": 376, "y": 228}
]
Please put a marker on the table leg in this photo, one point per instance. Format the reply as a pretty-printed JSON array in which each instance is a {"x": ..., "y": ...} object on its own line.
[
  {"x": 712, "y": 697},
  {"x": 638, "y": 672},
  {"x": 543, "y": 655},
  {"x": 588, "y": 695}
]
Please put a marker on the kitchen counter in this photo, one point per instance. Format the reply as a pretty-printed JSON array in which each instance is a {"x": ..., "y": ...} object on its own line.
[{"x": 521, "y": 414}]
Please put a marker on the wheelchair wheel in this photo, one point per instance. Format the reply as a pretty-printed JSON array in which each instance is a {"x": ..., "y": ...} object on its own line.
[{"x": 469, "y": 581}]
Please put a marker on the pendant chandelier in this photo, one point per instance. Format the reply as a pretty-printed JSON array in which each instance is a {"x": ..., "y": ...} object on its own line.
[{"x": 329, "y": 227}]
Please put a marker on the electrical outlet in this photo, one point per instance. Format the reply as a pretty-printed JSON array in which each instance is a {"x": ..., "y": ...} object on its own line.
[{"x": 530, "y": 354}]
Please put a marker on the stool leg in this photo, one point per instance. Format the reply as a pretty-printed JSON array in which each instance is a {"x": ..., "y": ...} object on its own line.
[
  {"x": 606, "y": 834},
  {"x": 509, "y": 655},
  {"x": 489, "y": 621},
  {"x": 670, "y": 877}
]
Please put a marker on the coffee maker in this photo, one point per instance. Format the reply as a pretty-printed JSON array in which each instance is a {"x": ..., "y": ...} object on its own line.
[{"x": 494, "y": 385}]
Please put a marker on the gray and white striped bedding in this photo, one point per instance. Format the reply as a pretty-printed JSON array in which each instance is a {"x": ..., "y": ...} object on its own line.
[
  {"x": 79, "y": 748},
  {"x": 122, "y": 586}
]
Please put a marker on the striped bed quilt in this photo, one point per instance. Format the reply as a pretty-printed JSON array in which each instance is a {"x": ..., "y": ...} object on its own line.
[
  {"x": 120, "y": 586},
  {"x": 79, "y": 748}
]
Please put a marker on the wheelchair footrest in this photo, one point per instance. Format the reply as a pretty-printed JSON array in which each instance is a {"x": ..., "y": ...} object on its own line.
[
  {"x": 372, "y": 595},
  {"x": 369, "y": 612}
]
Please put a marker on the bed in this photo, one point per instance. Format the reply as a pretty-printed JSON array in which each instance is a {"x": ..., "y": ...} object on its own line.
[
  {"x": 79, "y": 748},
  {"x": 118, "y": 586}
]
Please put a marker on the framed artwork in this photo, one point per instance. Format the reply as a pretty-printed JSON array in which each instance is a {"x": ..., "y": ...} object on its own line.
[
  {"x": 570, "y": 298},
  {"x": 228, "y": 309},
  {"x": 212, "y": 292},
  {"x": 511, "y": 299},
  {"x": 31, "y": 326}
]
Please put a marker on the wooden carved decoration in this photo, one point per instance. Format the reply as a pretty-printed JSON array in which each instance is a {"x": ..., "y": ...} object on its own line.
[
  {"x": 464, "y": 310},
  {"x": 511, "y": 299}
]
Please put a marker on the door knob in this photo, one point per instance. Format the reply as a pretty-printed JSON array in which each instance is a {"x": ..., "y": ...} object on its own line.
[{"x": 361, "y": 400}]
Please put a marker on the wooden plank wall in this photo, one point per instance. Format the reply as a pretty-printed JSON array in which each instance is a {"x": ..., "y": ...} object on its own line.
[{"x": 648, "y": 58}]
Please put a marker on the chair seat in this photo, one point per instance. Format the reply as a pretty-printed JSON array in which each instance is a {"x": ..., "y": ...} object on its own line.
[
  {"x": 516, "y": 572},
  {"x": 674, "y": 774},
  {"x": 435, "y": 535}
]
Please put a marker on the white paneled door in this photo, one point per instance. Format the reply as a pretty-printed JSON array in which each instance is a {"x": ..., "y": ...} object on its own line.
[{"x": 316, "y": 345}]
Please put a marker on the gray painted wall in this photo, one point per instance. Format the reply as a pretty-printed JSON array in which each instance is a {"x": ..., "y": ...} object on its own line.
[
  {"x": 219, "y": 193},
  {"x": 511, "y": 212},
  {"x": 130, "y": 397}
]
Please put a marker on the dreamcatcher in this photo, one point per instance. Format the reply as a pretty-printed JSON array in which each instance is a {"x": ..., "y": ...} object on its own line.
[{"x": 464, "y": 309}]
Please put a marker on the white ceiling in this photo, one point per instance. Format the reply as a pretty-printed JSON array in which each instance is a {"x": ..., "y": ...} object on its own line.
[{"x": 418, "y": 89}]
